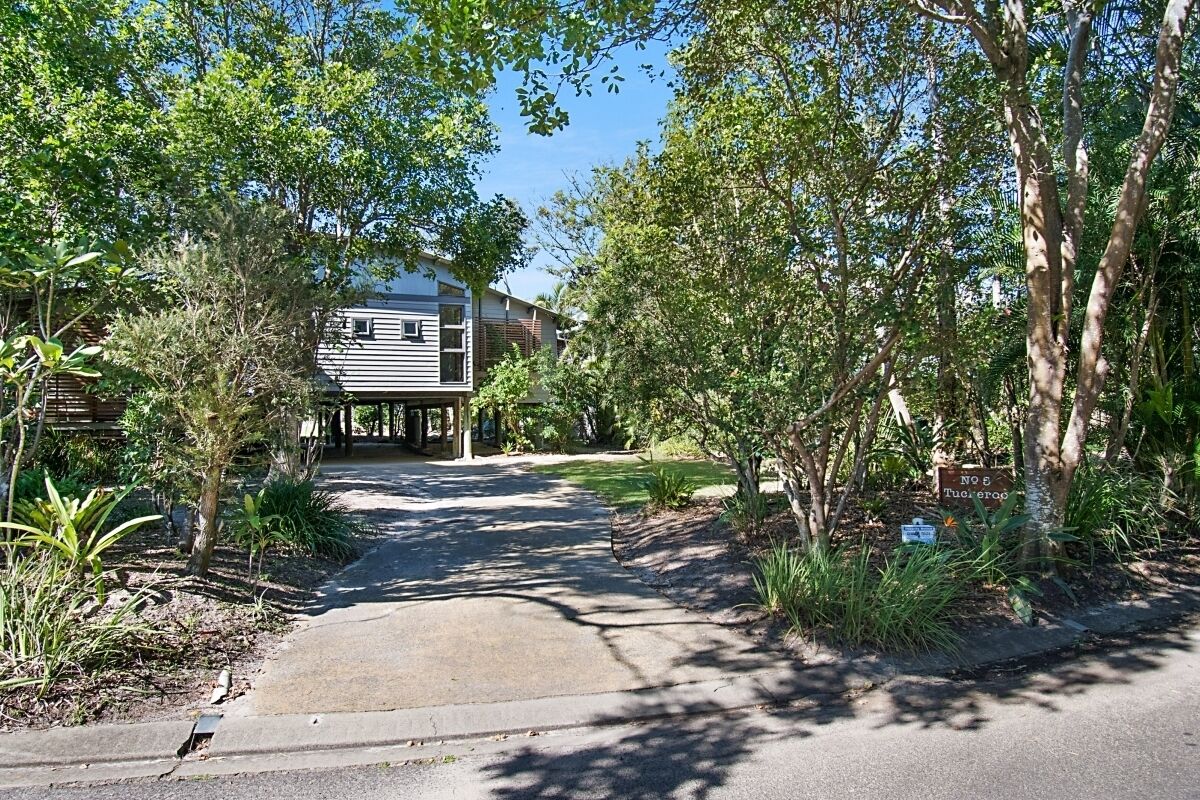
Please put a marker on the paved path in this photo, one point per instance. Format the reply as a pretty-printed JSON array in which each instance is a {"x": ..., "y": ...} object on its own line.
[{"x": 496, "y": 585}]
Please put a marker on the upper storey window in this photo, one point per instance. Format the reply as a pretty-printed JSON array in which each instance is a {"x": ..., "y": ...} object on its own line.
[{"x": 450, "y": 290}]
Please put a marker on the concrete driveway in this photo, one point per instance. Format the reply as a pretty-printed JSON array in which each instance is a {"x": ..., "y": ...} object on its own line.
[{"x": 495, "y": 585}]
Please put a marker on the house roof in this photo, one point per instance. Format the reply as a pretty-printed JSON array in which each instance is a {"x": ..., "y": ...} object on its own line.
[
  {"x": 443, "y": 261},
  {"x": 530, "y": 303}
]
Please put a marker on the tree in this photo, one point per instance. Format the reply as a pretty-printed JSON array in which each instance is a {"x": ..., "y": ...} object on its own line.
[
  {"x": 227, "y": 357},
  {"x": 507, "y": 384},
  {"x": 1053, "y": 201},
  {"x": 848, "y": 165},
  {"x": 690, "y": 296}
]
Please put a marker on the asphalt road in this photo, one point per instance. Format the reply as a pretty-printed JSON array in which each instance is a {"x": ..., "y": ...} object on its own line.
[{"x": 1123, "y": 721}]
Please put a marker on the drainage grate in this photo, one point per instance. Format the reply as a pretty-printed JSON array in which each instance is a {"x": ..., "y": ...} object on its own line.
[{"x": 202, "y": 731}]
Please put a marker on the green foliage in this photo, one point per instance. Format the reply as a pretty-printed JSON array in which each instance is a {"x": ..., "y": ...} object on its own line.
[
  {"x": 155, "y": 452},
  {"x": 51, "y": 628},
  {"x": 254, "y": 530},
  {"x": 910, "y": 604},
  {"x": 989, "y": 541},
  {"x": 1115, "y": 511},
  {"x": 988, "y": 547},
  {"x": 86, "y": 457},
  {"x": 297, "y": 515},
  {"x": 873, "y": 507},
  {"x": 681, "y": 446},
  {"x": 745, "y": 514},
  {"x": 230, "y": 357},
  {"x": 508, "y": 383},
  {"x": 900, "y": 458},
  {"x": 73, "y": 529},
  {"x": 777, "y": 577},
  {"x": 668, "y": 488},
  {"x": 367, "y": 417},
  {"x": 31, "y": 486}
]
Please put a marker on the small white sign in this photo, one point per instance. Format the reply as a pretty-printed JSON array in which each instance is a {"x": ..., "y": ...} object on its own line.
[{"x": 918, "y": 531}]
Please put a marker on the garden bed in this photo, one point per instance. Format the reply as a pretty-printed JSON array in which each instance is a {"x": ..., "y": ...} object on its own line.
[
  {"x": 697, "y": 560},
  {"x": 200, "y": 626}
]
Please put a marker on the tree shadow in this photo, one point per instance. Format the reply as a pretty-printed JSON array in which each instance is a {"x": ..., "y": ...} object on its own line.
[
  {"x": 653, "y": 761},
  {"x": 459, "y": 532}
]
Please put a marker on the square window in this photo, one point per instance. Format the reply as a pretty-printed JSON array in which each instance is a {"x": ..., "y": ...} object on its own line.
[
  {"x": 411, "y": 328},
  {"x": 362, "y": 328}
]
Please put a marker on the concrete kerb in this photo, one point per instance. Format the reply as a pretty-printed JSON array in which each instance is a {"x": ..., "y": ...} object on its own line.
[
  {"x": 92, "y": 753},
  {"x": 114, "y": 752}
]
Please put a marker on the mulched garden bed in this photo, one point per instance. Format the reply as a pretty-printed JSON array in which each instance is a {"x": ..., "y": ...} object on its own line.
[
  {"x": 201, "y": 627},
  {"x": 697, "y": 560}
]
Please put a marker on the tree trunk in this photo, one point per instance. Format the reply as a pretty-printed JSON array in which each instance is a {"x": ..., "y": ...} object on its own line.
[
  {"x": 187, "y": 534},
  {"x": 791, "y": 490},
  {"x": 206, "y": 534},
  {"x": 1116, "y": 442}
]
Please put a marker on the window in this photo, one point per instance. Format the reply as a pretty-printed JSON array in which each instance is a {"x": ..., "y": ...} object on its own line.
[
  {"x": 450, "y": 290},
  {"x": 362, "y": 328},
  {"x": 452, "y": 343},
  {"x": 411, "y": 328}
]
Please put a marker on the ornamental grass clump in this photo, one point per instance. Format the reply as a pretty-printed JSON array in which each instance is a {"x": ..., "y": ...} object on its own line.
[
  {"x": 669, "y": 489},
  {"x": 52, "y": 628},
  {"x": 909, "y": 604},
  {"x": 1116, "y": 511},
  {"x": 308, "y": 519}
]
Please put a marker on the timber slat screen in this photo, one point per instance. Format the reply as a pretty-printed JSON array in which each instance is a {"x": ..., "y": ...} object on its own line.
[
  {"x": 496, "y": 337},
  {"x": 68, "y": 401}
]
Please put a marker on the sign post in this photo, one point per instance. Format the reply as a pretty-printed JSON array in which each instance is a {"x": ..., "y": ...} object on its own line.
[
  {"x": 918, "y": 531},
  {"x": 959, "y": 486}
]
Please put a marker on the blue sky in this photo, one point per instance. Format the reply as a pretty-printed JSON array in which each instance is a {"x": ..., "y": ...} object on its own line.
[{"x": 604, "y": 128}]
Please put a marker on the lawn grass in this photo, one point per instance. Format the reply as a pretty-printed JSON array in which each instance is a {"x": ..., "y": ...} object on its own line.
[{"x": 622, "y": 483}]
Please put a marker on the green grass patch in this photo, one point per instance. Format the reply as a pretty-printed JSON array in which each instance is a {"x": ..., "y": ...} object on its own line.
[{"x": 623, "y": 484}]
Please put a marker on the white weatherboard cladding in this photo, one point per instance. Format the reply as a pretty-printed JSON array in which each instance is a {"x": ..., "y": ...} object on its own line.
[{"x": 389, "y": 362}]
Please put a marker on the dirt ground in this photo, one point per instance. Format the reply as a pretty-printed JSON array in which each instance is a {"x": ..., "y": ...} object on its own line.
[
  {"x": 200, "y": 626},
  {"x": 696, "y": 559}
]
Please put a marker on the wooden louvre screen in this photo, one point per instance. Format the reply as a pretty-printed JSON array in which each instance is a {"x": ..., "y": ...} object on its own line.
[
  {"x": 496, "y": 337},
  {"x": 68, "y": 401}
]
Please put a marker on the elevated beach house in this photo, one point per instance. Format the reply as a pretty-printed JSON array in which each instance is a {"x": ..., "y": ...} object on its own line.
[{"x": 420, "y": 348}]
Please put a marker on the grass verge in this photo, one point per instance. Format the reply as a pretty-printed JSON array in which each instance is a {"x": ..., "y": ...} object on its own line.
[{"x": 623, "y": 484}]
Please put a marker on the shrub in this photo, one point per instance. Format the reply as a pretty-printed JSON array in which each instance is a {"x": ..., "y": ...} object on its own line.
[
  {"x": 1116, "y": 511},
  {"x": 31, "y": 485},
  {"x": 307, "y": 519},
  {"x": 988, "y": 542},
  {"x": 88, "y": 457},
  {"x": 778, "y": 577},
  {"x": 873, "y": 507},
  {"x": 988, "y": 550},
  {"x": 677, "y": 447},
  {"x": 669, "y": 489},
  {"x": 910, "y": 604},
  {"x": 745, "y": 514},
  {"x": 49, "y": 626},
  {"x": 72, "y": 529}
]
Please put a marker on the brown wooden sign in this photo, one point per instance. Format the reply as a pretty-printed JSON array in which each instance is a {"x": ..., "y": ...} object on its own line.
[{"x": 958, "y": 486}]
